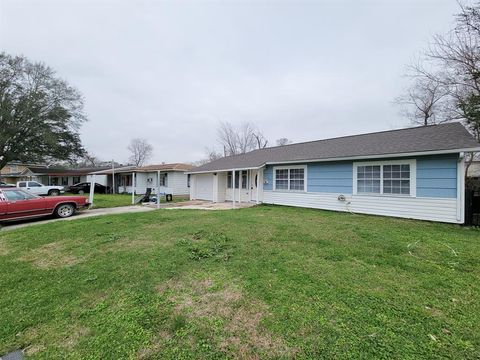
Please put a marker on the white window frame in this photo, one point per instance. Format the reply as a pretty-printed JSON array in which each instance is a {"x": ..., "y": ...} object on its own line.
[
  {"x": 413, "y": 176},
  {"x": 275, "y": 168}
]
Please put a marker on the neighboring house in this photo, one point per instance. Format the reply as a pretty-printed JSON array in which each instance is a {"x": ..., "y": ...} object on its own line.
[
  {"x": 474, "y": 169},
  {"x": 412, "y": 173},
  {"x": 173, "y": 179},
  {"x": 14, "y": 172}
]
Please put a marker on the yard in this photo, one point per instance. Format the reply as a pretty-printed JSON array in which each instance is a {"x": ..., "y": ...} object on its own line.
[
  {"x": 115, "y": 200},
  {"x": 263, "y": 282}
]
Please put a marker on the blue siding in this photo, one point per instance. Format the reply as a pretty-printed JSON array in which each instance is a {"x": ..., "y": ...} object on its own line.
[
  {"x": 330, "y": 177},
  {"x": 268, "y": 177},
  {"x": 437, "y": 176}
]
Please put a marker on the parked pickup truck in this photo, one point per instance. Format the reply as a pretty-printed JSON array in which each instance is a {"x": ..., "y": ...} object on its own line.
[
  {"x": 17, "y": 204},
  {"x": 39, "y": 189}
]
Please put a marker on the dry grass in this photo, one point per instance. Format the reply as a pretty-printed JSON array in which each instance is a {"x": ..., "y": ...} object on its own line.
[
  {"x": 4, "y": 248},
  {"x": 76, "y": 334},
  {"x": 52, "y": 255},
  {"x": 242, "y": 335}
]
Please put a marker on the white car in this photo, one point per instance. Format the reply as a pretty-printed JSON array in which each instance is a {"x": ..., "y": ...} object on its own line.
[{"x": 39, "y": 189}]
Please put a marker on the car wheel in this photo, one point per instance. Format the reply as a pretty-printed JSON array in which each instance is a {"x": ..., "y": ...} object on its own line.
[
  {"x": 65, "y": 210},
  {"x": 81, "y": 192},
  {"x": 54, "y": 192}
]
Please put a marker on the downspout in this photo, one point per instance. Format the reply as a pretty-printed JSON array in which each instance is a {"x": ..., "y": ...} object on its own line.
[{"x": 461, "y": 188}]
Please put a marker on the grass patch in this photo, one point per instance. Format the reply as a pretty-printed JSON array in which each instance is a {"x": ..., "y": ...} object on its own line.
[
  {"x": 115, "y": 200},
  {"x": 263, "y": 282}
]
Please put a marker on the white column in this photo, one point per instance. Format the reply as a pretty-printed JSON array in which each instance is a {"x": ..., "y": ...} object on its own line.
[
  {"x": 133, "y": 188},
  {"x": 233, "y": 187},
  {"x": 257, "y": 185},
  {"x": 240, "y": 186},
  {"x": 461, "y": 188},
  {"x": 158, "y": 189},
  {"x": 92, "y": 190}
]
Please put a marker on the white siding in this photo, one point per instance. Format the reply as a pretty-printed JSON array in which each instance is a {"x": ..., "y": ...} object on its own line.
[
  {"x": 245, "y": 195},
  {"x": 434, "y": 209},
  {"x": 176, "y": 183},
  {"x": 99, "y": 179}
]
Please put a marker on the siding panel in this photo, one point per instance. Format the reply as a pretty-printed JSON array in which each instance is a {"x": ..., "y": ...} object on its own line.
[
  {"x": 437, "y": 176},
  {"x": 330, "y": 177},
  {"x": 434, "y": 209}
]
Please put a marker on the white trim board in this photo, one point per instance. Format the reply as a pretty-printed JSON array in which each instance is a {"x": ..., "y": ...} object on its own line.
[
  {"x": 413, "y": 176},
  {"x": 288, "y": 167}
]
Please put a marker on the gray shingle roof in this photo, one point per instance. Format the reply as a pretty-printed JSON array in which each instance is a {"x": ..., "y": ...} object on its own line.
[{"x": 444, "y": 137}]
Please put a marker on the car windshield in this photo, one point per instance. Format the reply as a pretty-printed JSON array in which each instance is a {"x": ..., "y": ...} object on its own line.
[{"x": 17, "y": 194}]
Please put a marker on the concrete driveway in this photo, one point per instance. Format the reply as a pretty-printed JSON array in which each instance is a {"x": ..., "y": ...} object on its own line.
[{"x": 80, "y": 215}]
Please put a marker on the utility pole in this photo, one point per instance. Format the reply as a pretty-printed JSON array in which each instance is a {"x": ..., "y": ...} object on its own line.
[{"x": 113, "y": 176}]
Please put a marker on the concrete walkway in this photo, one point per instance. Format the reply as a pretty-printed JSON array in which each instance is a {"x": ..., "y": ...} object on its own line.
[{"x": 79, "y": 215}]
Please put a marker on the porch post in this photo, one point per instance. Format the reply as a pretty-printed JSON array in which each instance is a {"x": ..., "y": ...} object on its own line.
[
  {"x": 257, "y": 185},
  {"x": 92, "y": 190},
  {"x": 133, "y": 188},
  {"x": 233, "y": 187},
  {"x": 158, "y": 189},
  {"x": 240, "y": 186}
]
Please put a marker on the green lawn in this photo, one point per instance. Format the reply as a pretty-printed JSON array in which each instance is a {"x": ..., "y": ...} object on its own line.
[
  {"x": 264, "y": 282},
  {"x": 115, "y": 200}
]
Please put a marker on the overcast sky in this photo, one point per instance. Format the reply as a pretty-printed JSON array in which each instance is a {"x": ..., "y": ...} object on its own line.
[{"x": 170, "y": 71}]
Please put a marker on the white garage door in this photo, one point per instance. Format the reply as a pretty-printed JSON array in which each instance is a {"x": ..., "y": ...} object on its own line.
[{"x": 204, "y": 187}]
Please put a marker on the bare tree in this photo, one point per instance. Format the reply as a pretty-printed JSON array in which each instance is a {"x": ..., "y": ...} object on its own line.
[
  {"x": 89, "y": 159},
  {"x": 228, "y": 138},
  {"x": 260, "y": 139},
  {"x": 245, "y": 138},
  {"x": 141, "y": 151},
  {"x": 283, "y": 141},
  {"x": 451, "y": 64},
  {"x": 422, "y": 102}
]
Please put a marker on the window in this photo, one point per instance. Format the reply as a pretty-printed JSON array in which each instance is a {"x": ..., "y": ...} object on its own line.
[
  {"x": 396, "y": 179},
  {"x": 76, "y": 179},
  {"x": 34, "y": 184},
  {"x": 163, "y": 179},
  {"x": 388, "y": 178},
  {"x": 13, "y": 168},
  {"x": 237, "y": 179},
  {"x": 368, "y": 179},
  {"x": 22, "y": 184},
  {"x": 15, "y": 195},
  {"x": 64, "y": 180},
  {"x": 290, "y": 179}
]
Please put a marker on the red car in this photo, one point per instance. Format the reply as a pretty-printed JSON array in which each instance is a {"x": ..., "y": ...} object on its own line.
[{"x": 16, "y": 204}]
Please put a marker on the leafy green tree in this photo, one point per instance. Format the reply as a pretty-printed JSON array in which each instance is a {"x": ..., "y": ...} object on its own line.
[{"x": 40, "y": 113}]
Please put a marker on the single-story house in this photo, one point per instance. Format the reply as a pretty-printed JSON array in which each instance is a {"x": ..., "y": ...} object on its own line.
[
  {"x": 173, "y": 179},
  {"x": 14, "y": 172},
  {"x": 411, "y": 173}
]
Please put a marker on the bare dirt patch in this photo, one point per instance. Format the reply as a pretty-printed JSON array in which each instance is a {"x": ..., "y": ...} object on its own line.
[
  {"x": 51, "y": 255},
  {"x": 242, "y": 336}
]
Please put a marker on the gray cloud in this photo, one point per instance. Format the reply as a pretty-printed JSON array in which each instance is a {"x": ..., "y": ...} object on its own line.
[{"x": 170, "y": 71}]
